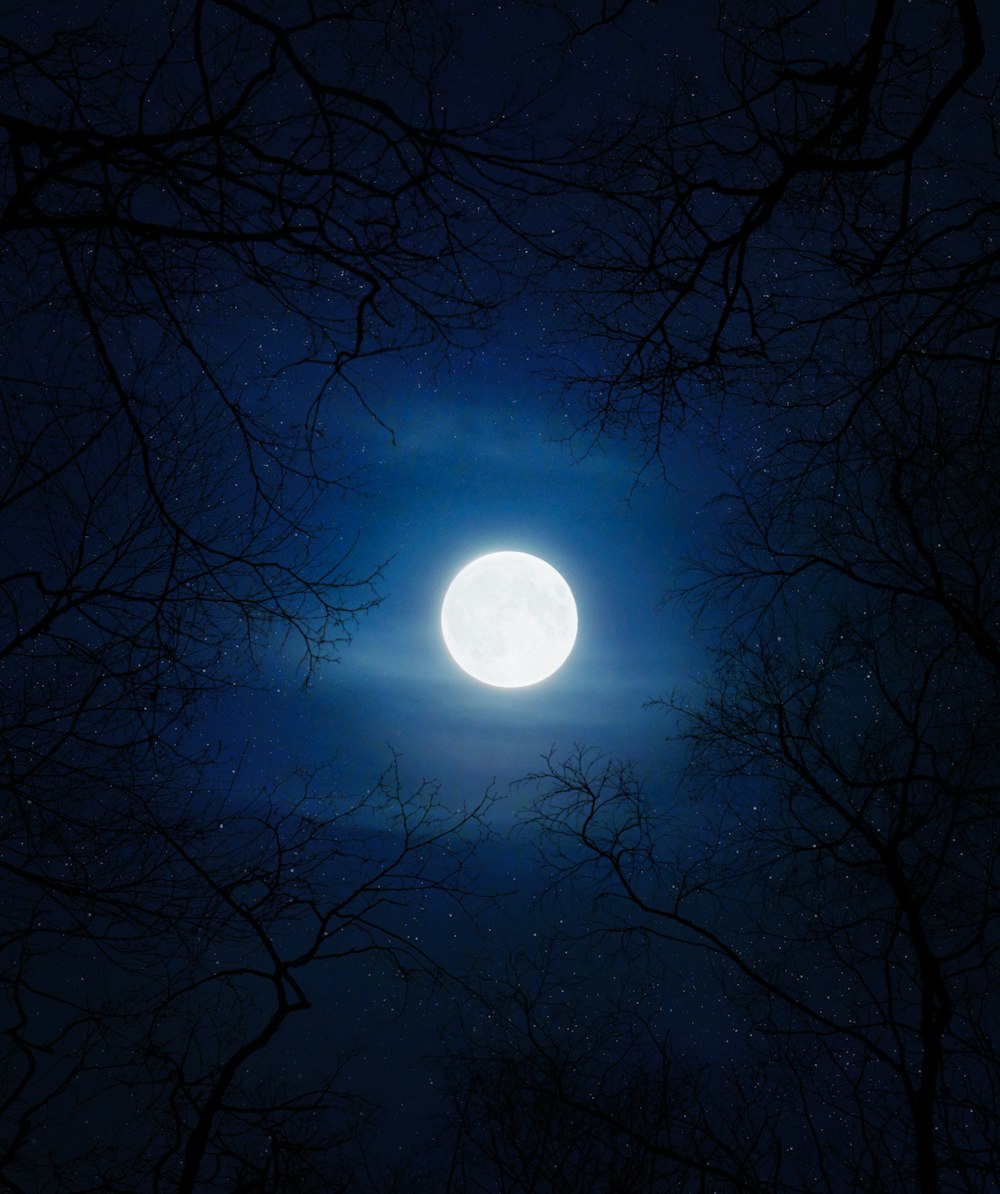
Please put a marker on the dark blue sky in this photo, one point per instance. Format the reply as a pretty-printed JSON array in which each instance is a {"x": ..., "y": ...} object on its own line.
[
  {"x": 481, "y": 463},
  {"x": 777, "y": 297},
  {"x": 478, "y": 466},
  {"x": 478, "y": 448}
]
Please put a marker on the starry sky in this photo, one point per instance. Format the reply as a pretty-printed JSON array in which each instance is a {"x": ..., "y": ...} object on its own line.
[
  {"x": 851, "y": 649},
  {"x": 479, "y": 466},
  {"x": 480, "y": 457}
]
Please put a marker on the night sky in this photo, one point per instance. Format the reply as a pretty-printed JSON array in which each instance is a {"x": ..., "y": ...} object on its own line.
[{"x": 699, "y": 307}]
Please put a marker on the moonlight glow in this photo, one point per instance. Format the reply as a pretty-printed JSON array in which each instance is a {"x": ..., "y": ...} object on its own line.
[{"x": 509, "y": 619}]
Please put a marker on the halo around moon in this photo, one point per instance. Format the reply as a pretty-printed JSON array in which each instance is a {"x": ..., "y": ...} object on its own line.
[{"x": 509, "y": 619}]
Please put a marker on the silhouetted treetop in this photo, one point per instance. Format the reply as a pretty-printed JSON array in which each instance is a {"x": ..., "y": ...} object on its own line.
[{"x": 793, "y": 229}]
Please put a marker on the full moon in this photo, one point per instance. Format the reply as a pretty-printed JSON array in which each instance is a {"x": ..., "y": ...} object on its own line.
[{"x": 509, "y": 619}]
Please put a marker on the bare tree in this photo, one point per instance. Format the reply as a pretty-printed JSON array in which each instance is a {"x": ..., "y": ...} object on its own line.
[
  {"x": 184, "y": 950},
  {"x": 803, "y": 264},
  {"x": 790, "y": 229},
  {"x": 837, "y": 911},
  {"x": 574, "y": 1082},
  {"x": 213, "y": 217},
  {"x": 198, "y": 241}
]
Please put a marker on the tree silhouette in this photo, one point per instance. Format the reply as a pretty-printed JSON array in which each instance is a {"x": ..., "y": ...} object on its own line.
[
  {"x": 802, "y": 265},
  {"x": 806, "y": 225},
  {"x": 213, "y": 218},
  {"x": 199, "y": 243},
  {"x": 150, "y": 977},
  {"x": 572, "y": 1083}
]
